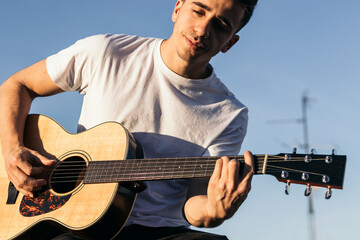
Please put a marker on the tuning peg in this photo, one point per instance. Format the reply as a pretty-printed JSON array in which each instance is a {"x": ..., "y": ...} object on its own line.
[
  {"x": 287, "y": 188},
  {"x": 328, "y": 159},
  {"x": 307, "y": 191},
  {"x": 313, "y": 151},
  {"x": 328, "y": 193},
  {"x": 294, "y": 150}
]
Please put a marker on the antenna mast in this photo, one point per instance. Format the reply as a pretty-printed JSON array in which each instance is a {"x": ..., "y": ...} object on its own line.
[{"x": 304, "y": 103}]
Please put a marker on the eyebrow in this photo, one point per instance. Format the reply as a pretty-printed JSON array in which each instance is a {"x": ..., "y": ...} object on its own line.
[
  {"x": 221, "y": 18},
  {"x": 202, "y": 5}
]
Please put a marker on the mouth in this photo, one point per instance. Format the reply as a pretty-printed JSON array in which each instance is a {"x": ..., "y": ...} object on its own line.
[{"x": 194, "y": 44}]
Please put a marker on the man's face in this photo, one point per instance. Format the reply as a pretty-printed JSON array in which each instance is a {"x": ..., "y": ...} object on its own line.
[{"x": 205, "y": 27}]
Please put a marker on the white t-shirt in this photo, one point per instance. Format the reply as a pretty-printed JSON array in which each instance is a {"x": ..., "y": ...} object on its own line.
[{"x": 124, "y": 79}]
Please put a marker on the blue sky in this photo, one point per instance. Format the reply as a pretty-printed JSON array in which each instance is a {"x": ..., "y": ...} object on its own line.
[{"x": 289, "y": 48}]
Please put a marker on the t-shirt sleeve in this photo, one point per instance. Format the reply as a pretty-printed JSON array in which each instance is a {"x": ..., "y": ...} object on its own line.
[
  {"x": 228, "y": 143},
  {"x": 72, "y": 68}
]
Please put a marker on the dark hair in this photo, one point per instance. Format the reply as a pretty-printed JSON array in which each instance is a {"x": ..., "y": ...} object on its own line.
[{"x": 249, "y": 6}]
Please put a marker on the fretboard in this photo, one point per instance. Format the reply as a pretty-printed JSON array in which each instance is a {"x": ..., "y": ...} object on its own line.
[{"x": 158, "y": 169}]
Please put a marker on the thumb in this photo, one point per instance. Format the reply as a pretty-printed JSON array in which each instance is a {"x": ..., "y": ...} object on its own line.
[{"x": 44, "y": 160}]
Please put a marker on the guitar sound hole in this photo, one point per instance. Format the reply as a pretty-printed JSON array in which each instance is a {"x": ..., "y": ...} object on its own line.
[{"x": 68, "y": 175}]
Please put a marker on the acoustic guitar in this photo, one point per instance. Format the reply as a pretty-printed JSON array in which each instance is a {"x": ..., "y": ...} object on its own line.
[{"x": 92, "y": 187}]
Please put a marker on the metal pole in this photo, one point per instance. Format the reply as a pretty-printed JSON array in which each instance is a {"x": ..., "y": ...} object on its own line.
[{"x": 312, "y": 227}]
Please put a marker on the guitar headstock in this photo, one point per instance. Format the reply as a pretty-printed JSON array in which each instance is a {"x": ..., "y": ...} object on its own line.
[{"x": 308, "y": 169}]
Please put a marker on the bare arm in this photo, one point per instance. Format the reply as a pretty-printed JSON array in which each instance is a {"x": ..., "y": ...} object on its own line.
[
  {"x": 227, "y": 190},
  {"x": 23, "y": 166}
]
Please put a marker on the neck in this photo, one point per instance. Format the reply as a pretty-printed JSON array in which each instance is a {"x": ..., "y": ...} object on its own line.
[
  {"x": 185, "y": 68},
  {"x": 159, "y": 169}
]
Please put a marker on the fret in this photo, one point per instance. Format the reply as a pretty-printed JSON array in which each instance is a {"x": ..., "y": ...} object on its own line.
[
  {"x": 96, "y": 174},
  {"x": 207, "y": 165},
  {"x": 163, "y": 169},
  {"x": 110, "y": 171},
  {"x": 100, "y": 174},
  {"x": 141, "y": 168},
  {"x": 173, "y": 169},
  {"x": 125, "y": 171},
  {"x": 155, "y": 169},
  {"x": 103, "y": 173},
  {"x": 137, "y": 167},
  {"x": 132, "y": 169},
  {"x": 193, "y": 174},
  {"x": 147, "y": 170},
  {"x": 183, "y": 167},
  {"x": 201, "y": 173},
  {"x": 115, "y": 173}
]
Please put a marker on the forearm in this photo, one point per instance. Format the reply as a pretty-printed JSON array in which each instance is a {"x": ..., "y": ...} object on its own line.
[
  {"x": 15, "y": 101},
  {"x": 199, "y": 214}
]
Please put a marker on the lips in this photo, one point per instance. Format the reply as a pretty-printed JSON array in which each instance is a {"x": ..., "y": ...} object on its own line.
[{"x": 193, "y": 44}]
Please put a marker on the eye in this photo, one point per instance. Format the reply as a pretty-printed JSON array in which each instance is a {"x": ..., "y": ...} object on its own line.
[
  {"x": 198, "y": 13},
  {"x": 222, "y": 26}
]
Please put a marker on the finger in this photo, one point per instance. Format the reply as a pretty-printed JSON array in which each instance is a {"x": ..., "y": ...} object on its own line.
[
  {"x": 27, "y": 167},
  {"x": 246, "y": 174},
  {"x": 25, "y": 184},
  {"x": 224, "y": 171},
  {"x": 217, "y": 170},
  {"x": 248, "y": 170},
  {"x": 45, "y": 161},
  {"x": 39, "y": 160},
  {"x": 40, "y": 171},
  {"x": 233, "y": 174}
]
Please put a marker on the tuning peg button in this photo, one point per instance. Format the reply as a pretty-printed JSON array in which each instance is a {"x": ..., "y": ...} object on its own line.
[
  {"x": 304, "y": 176},
  {"x": 328, "y": 193},
  {"x": 307, "y": 190},
  {"x": 328, "y": 159},
  {"x": 325, "y": 179},
  {"x": 287, "y": 188},
  {"x": 284, "y": 174}
]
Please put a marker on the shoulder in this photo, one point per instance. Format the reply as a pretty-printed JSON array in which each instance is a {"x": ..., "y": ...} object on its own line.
[
  {"x": 112, "y": 41},
  {"x": 128, "y": 42},
  {"x": 229, "y": 100}
]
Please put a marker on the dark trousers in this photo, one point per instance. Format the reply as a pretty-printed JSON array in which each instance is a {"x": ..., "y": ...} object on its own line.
[{"x": 137, "y": 232}]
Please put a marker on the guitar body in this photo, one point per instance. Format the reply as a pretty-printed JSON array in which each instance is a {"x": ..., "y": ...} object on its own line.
[{"x": 94, "y": 211}]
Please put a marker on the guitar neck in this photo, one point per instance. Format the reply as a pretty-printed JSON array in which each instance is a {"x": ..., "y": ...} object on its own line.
[{"x": 159, "y": 169}]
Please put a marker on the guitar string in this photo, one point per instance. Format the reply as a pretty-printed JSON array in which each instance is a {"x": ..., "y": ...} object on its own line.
[
  {"x": 132, "y": 164},
  {"x": 176, "y": 175},
  {"x": 161, "y": 160}
]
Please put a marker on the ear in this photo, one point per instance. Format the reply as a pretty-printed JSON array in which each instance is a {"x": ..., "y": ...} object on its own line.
[
  {"x": 231, "y": 43},
  {"x": 177, "y": 8}
]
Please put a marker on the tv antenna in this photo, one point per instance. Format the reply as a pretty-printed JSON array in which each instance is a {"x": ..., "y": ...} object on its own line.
[{"x": 304, "y": 122}]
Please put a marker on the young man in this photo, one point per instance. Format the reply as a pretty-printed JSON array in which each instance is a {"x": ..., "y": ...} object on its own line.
[{"x": 167, "y": 94}]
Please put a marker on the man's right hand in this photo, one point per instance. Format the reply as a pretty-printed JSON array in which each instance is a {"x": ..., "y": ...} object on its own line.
[{"x": 26, "y": 169}]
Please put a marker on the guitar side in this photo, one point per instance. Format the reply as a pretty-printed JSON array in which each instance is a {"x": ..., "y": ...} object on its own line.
[{"x": 93, "y": 210}]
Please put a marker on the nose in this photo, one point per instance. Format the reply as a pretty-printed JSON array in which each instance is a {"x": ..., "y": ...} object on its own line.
[{"x": 202, "y": 29}]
